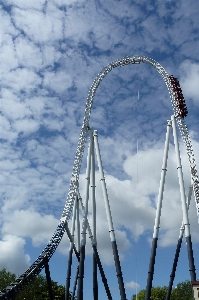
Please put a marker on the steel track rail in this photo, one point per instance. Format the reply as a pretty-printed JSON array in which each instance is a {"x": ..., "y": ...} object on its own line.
[{"x": 22, "y": 281}]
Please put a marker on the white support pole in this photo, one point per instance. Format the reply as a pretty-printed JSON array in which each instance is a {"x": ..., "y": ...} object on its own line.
[
  {"x": 88, "y": 170},
  {"x": 181, "y": 181},
  {"x": 162, "y": 182},
  {"x": 104, "y": 190},
  {"x": 158, "y": 214},
  {"x": 68, "y": 276},
  {"x": 88, "y": 225},
  {"x": 182, "y": 228},
  {"x": 177, "y": 253},
  {"x": 97, "y": 258},
  {"x": 78, "y": 225},
  {"x": 84, "y": 226},
  {"x": 95, "y": 283},
  {"x": 184, "y": 205},
  {"x": 93, "y": 189},
  {"x": 110, "y": 222},
  {"x": 71, "y": 240},
  {"x": 73, "y": 221}
]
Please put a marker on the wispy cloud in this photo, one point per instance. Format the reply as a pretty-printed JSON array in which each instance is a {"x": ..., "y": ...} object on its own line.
[{"x": 132, "y": 285}]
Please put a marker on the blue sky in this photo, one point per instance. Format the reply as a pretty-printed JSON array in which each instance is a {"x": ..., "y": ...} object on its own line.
[{"x": 50, "y": 53}]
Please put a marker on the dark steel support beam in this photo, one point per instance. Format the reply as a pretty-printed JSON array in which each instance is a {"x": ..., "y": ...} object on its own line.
[
  {"x": 151, "y": 269},
  {"x": 75, "y": 283},
  {"x": 118, "y": 270},
  {"x": 175, "y": 262},
  {"x": 192, "y": 268},
  {"x": 68, "y": 277},
  {"x": 48, "y": 279},
  {"x": 81, "y": 273},
  {"x": 104, "y": 280},
  {"x": 95, "y": 283}
]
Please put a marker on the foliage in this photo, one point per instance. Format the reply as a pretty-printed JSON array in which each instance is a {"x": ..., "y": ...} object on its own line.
[
  {"x": 36, "y": 290},
  {"x": 6, "y": 278},
  {"x": 157, "y": 293},
  {"x": 183, "y": 291}
]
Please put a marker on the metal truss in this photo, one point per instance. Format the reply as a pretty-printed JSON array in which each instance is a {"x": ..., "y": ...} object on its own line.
[{"x": 22, "y": 281}]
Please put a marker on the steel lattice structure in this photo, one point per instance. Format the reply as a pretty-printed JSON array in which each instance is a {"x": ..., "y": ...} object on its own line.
[{"x": 23, "y": 280}]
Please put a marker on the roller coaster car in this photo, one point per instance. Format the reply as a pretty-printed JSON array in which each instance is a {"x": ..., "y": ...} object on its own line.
[{"x": 179, "y": 98}]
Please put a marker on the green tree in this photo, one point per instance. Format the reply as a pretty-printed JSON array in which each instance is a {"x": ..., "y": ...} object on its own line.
[
  {"x": 140, "y": 295},
  {"x": 6, "y": 278},
  {"x": 36, "y": 290},
  {"x": 183, "y": 291},
  {"x": 157, "y": 293}
]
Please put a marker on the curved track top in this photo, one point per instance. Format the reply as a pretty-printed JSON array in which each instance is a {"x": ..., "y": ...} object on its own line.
[{"x": 23, "y": 280}]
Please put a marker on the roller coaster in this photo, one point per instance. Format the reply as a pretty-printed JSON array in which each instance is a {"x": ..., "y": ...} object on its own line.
[{"x": 74, "y": 201}]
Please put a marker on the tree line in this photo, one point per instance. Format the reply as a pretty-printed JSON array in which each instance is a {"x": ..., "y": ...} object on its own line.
[
  {"x": 36, "y": 290},
  {"x": 183, "y": 291}
]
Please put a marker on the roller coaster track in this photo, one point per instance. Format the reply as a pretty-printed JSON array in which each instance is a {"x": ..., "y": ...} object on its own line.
[{"x": 22, "y": 281}]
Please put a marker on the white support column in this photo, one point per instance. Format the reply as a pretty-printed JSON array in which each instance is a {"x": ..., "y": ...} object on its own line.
[
  {"x": 71, "y": 239},
  {"x": 95, "y": 283},
  {"x": 184, "y": 204},
  {"x": 88, "y": 225},
  {"x": 188, "y": 204},
  {"x": 78, "y": 225},
  {"x": 73, "y": 221},
  {"x": 177, "y": 253},
  {"x": 110, "y": 222},
  {"x": 68, "y": 276},
  {"x": 88, "y": 170},
  {"x": 181, "y": 180},
  {"x": 162, "y": 182},
  {"x": 84, "y": 227},
  {"x": 97, "y": 258},
  {"x": 158, "y": 215},
  {"x": 104, "y": 190},
  {"x": 93, "y": 190}
]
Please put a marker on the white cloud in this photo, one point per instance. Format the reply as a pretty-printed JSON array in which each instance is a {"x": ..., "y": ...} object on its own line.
[
  {"x": 12, "y": 257},
  {"x": 12, "y": 107},
  {"x": 50, "y": 55},
  {"x": 5, "y": 132},
  {"x": 15, "y": 192},
  {"x": 38, "y": 26},
  {"x": 21, "y": 79},
  {"x": 7, "y": 26},
  {"x": 61, "y": 145},
  {"x": 37, "y": 4},
  {"x": 37, "y": 106},
  {"x": 26, "y": 126},
  {"x": 69, "y": 2},
  {"x": 10, "y": 166},
  {"x": 132, "y": 285},
  {"x": 58, "y": 81},
  {"x": 28, "y": 54},
  {"x": 8, "y": 56},
  {"x": 189, "y": 80},
  {"x": 27, "y": 223}
]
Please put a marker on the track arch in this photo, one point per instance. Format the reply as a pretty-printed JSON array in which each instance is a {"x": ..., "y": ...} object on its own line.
[{"x": 23, "y": 280}]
